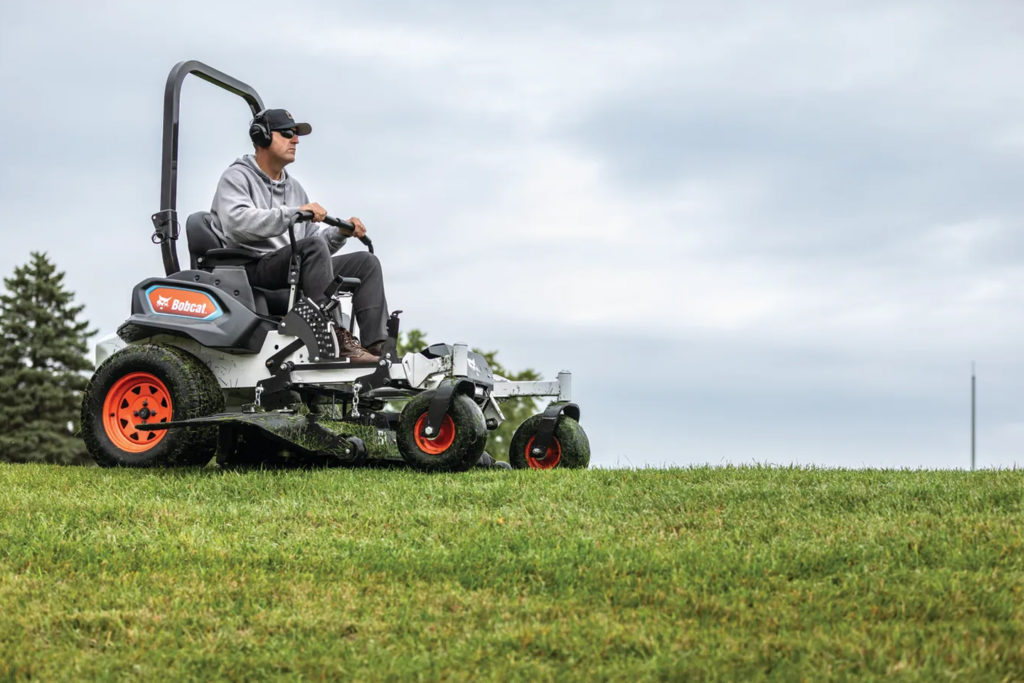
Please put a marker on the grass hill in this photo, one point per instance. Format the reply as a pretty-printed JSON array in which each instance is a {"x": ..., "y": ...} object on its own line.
[{"x": 375, "y": 574}]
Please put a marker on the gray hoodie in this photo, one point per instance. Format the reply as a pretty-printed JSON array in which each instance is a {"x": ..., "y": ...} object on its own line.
[{"x": 250, "y": 210}]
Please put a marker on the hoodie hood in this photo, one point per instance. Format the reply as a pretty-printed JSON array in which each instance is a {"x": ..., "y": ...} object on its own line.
[{"x": 249, "y": 162}]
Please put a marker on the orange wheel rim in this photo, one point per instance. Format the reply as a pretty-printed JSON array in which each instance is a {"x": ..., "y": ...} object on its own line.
[
  {"x": 549, "y": 460},
  {"x": 439, "y": 444},
  {"x": 136, "y": 398}
]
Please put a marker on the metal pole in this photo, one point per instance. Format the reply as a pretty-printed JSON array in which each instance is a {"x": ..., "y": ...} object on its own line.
[{"x": 973, "y": 414}]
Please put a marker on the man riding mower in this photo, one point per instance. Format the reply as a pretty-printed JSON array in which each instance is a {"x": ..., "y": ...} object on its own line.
[{"x": 210, "y": 365}]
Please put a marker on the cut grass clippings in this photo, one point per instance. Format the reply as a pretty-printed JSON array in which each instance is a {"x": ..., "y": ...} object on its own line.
[{"x": 703, "y": 573}]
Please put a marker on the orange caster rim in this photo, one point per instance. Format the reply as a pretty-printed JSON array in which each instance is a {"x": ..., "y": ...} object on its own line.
[
  {"x": 439, "y": 444},
  {"x": 549, "y": 460}
]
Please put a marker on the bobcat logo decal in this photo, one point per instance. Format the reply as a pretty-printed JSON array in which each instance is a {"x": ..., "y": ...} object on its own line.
[{"x": 182, "y": 302}]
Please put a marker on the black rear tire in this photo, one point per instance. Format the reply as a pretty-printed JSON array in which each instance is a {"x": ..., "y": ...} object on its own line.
[
  {"x": 171, "y": 377},
  {"x": 570, "y": 447},
  {"x": 459, "y": 443}
]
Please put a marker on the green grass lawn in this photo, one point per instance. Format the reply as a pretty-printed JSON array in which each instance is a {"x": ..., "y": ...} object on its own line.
[{"x": 376, "y": 574}]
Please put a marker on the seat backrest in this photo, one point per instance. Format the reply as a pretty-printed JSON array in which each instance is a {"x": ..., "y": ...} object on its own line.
[
  {"x": 202, "y": 238},
  {"x": 200, "y": 235}
]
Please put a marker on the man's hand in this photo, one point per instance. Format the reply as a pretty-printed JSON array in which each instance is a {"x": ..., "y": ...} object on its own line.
[
  {"x": 319, "y": 212},
  {"x": 360, "y": 229}
]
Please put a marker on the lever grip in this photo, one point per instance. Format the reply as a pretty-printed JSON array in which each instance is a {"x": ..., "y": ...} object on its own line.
[
  {"x": 340, "y": 223},
  {"x": 347, "y": 229}
]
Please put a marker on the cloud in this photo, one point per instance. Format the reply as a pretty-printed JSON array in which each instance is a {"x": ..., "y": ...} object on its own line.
[{"x": 753, "y": 231}]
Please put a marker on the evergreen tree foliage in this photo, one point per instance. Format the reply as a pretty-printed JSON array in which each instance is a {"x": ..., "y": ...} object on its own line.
[
  {"x": 43, "y": 350},
  {"x": 413, "y": 340},
  {"x": 516, "y": 410}
]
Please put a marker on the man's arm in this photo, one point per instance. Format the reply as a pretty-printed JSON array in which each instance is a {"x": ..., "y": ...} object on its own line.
[
  {"x": 335, "y": 240},
  {"x": 239, "y": 218}
]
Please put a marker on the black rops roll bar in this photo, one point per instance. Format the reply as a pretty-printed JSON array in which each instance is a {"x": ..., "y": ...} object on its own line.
[{"x": 165, "y": 221}]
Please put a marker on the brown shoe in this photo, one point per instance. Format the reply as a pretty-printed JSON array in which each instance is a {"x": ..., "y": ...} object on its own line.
[
  {"x": 348, "y": 347},
  {"x": 377, "y": 347}
]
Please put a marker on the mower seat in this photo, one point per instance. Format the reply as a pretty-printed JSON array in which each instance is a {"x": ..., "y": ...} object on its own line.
[{"x": 207, "y": 252}]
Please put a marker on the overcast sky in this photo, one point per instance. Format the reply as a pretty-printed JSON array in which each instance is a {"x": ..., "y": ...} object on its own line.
[{"x": 755, "y": 232}]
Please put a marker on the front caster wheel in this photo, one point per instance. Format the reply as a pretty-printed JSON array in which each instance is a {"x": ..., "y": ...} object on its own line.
[
  {"x": 458, "y": 443},
  {"x": 569, "y": 447}
]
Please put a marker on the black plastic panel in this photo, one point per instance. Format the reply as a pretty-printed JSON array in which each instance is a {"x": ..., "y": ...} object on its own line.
[{"x": 188, "y": 304}]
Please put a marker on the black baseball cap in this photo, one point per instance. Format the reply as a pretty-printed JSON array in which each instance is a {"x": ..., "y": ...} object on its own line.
[{"x": 279, "y": 119}]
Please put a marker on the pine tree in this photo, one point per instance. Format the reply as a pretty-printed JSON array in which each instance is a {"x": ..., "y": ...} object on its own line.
[{"x": 42, "y": 358}]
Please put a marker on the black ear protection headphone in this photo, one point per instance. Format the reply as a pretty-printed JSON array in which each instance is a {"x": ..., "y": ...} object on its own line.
[{"x": 259, "y": 133}]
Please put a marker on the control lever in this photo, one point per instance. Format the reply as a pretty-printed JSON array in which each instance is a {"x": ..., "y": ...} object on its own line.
[
  {"x": 347, "y": 229},
  {"x": 340, "y": 283}
]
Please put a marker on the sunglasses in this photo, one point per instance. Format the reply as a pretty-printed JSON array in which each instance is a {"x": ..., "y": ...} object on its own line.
[{"x": 288, "y": 133}]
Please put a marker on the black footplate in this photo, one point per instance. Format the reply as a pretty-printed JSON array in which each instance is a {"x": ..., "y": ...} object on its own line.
[{"x": 308, "y": 322}]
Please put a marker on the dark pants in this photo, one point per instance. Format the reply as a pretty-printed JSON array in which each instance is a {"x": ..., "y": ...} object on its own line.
[{"x": 318, "y": 270}]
